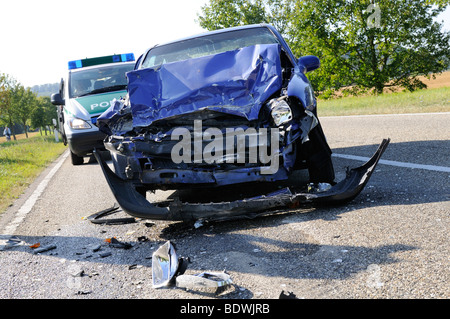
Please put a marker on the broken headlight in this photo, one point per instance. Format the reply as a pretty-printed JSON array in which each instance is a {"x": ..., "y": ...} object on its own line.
[{"x": 280, "y": 111}]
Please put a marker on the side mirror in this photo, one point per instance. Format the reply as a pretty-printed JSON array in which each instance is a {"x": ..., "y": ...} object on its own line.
[
  {"x": 56, "y": 99},
  {"x": 309, "y": 62}
]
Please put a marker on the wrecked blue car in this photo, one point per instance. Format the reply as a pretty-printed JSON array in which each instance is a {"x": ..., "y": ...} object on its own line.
[{"x": 228, "y": 108}]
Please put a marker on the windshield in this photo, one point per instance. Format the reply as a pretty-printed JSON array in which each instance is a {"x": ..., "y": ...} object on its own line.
[
  {"x": 99, "y": 80},
  {"x": 207, "y": 45}
]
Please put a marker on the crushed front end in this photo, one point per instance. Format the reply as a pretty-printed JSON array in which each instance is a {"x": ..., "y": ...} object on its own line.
[{"x": 237, "y": 117}]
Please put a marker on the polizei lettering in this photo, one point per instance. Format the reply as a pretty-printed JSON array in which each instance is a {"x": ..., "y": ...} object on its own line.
[
  {"x": 103, "y": 105},
  {"x": 250, "y": 309}
]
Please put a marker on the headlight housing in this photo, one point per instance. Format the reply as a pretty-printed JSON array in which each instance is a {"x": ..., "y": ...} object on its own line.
[
  {"x": 79, "y": 124},
  {"x": 280, "y": 111}
]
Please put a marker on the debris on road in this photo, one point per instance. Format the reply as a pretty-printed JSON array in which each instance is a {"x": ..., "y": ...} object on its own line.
[
  {"x": 113, "y": 242},
  {"x": 77, "y": 272},
  {"x": 44, "y": 249},
  {"x": 142, "y": 239},
  {"x": 14, "y": 241},
  {"x": 288, "y": 295},
  {"x": 11, "y": 242},
  {"x": 168, "y": 269},
  {"x": 94, "y": 247},
  {"x": 210, "y": 282},
  {"x": 96, "y": 218},
  {"x": 164, "y": 265},
  {"x": 134, "y": 266},
  {"x": 105, "y": 254}
]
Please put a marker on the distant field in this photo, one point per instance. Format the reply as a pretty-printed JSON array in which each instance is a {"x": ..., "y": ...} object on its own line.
[
  {"x": 19, "y": 136},
  {"x": 442, "y": 80},
  {"x": 423, "y": 101},
  {"x": 434, "y": 99}
]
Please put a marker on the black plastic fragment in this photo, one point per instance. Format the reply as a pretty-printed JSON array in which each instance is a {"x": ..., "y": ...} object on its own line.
[
  {"x": 288, "y": 295},
  {"x": 96, "y": 218}
]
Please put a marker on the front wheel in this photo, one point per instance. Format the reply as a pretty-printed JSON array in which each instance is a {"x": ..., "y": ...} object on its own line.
[
  {"x": 316, "y": 154},
  {"x": 76, "y": 160}
]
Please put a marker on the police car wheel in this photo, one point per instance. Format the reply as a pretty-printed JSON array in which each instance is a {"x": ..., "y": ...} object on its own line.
[{"x": 76, "y": 160}]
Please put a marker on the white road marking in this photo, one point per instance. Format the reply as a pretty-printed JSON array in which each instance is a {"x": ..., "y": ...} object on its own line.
[
  {"x": 395, "y": 163},
  {"x": 28, "y": 205}
]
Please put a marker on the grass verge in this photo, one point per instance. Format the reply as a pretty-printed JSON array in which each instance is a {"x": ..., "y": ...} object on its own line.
[
  {"x": 21, "y": 162},
  {"x": 423, "y": 101}
]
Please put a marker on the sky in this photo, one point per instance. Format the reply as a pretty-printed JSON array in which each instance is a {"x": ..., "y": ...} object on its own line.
[{"x": 39, "y": 37}]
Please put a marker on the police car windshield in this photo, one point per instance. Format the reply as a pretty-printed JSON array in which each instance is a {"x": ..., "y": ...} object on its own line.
[
  {"x": 207, "y": 45},
  {"x": 98, "y": 80}
]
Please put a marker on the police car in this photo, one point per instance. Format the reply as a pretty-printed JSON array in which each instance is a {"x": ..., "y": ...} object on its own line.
[{"x": 89, "y": 89}]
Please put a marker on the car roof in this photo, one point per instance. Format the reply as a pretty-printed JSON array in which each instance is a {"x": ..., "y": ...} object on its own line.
[{"x": 250, "y": 26}]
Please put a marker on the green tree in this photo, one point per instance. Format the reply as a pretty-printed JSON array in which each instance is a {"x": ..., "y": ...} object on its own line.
[
  {"x": 7, "y": 87},
  {"x": 24, "y": 100},
  {"x": 43, "y": 114},
  {"x": 362, "y": 44},
  {"x": 49, "y": 111},
  {"x": 371, "y": 46},
  {"x": 231, "y": 13},
  {"x": 38, "y": 116}
]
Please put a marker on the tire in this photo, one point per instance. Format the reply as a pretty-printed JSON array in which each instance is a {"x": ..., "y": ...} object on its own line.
[
  {"x": 119, "y": 163},
  {"x": 317, "y": 155},
  {"x": 76, "y": 160}
]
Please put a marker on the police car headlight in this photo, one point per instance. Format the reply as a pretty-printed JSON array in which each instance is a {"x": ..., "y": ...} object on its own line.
[{"x": 78, "y": 124}]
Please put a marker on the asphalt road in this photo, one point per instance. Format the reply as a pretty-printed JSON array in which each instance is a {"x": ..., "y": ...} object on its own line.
[{"x": 390, "y": 242}]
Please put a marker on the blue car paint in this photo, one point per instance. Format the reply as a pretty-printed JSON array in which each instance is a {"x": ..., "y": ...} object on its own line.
[
  {"x": 151, "y": 90},
  {"x": 236, "y": 82}
]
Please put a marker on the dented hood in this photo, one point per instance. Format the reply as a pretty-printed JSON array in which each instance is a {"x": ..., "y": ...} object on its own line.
[{"x": 236, "y": 82}]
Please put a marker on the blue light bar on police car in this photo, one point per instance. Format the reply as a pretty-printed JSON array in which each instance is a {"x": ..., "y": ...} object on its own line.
[{"x": 76, "y": 64}]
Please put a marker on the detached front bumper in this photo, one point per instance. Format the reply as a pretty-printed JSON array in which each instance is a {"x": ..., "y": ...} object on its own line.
[{"x": 134, "y": 204}]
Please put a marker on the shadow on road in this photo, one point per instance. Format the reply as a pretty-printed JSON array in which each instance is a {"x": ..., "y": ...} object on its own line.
[
  {"x": 268, "y": 245},
  {"x": 264, "y": 246}
]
